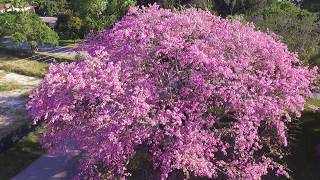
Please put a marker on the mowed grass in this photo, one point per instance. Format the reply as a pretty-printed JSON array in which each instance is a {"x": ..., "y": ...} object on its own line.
[
  {"x": 313, "y": 101},
  {"x": 22, "y": 154},
  {"x": 9, "y": 86},
  {"x": 304, "y": 161},
  {"x": 69, "y": 43},
  {"x": 56, "y": 56},
  {"x": 23, "y": 66}
]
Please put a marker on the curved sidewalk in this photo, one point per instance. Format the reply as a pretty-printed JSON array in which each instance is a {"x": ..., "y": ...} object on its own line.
[{"x": 50, "y": 167}]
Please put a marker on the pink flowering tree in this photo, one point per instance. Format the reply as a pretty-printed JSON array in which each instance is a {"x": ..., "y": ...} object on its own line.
[{"x": 200, "y": 95}]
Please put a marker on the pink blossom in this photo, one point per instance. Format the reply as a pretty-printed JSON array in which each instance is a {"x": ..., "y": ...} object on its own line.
[{"x": 202, "y": 94}]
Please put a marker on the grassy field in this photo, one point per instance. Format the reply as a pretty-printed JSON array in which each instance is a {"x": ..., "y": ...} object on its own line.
[
  {"x": 61, "y": 58},
  {"x": 18, "y": 157},
  {"x": 312, "y": 101},
  {"x": 13, "y": 60},
  {"x": 303, "y": 162},
  {"x": 69, "y": 43},
  {"x": 9, "y": 86},
  {"x": 22, "y": 66}
]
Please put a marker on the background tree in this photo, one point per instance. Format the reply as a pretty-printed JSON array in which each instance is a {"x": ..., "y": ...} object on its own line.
[
  {"x": 7, "y": 21},
  {"x": 70, "y": 27},
  {"x": 232, "y": 7},
  {"x": 298, "y": 28},
  {"x": 27, "y": 28},
  {"x": 100, "y": 14},
  {"x": 51, "y": 7},
  {"x": 17, "y": 3}
]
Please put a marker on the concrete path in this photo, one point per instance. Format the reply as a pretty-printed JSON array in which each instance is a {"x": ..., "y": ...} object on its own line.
[
  {"x": 50, "y": 167},
  {"x": 13, "y": 122},
  {"x": 13, "y": 116}
]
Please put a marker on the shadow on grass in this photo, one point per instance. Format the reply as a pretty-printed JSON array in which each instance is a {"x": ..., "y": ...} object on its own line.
[
  {"x": 18, "y": 157},
  {"x": 304, "y": 162}
]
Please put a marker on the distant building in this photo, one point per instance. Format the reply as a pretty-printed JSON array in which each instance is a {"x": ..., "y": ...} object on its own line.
[{"x": 10, "y": 8}]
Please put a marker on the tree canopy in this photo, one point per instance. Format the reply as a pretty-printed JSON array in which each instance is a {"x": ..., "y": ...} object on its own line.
[
  {"x": 27, "y": 28},
  {"x": 298, "y": 28}
]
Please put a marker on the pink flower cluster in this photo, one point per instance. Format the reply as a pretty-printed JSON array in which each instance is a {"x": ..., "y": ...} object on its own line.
[{"x": 202, "y": 94}]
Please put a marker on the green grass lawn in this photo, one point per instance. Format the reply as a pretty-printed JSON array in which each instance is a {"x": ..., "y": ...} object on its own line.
[
  {"x": 25, "y": 67},
  {"x": 69, "y": 43},
  {"x": 303, "y": 162},
  {"x": 13, "y": 60},
  {"x": 312, "y": 101},
  {"x": 22, "y": 154},
  {"x": 9, "y": 86},
  {"x": 58, "y": 57},
  {"x": 22, "y": 66}
]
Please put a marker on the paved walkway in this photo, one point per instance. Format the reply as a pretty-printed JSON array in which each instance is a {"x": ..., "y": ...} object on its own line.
[
  {"x": 49, "y": 167},
  {"x": 14, "y": 119},
  {"x": 13, "y": 116}
]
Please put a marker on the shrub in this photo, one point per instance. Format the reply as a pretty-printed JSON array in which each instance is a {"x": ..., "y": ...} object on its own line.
[
  {"x": 298, "y": 28},
  {"x": 199, "y": 95},
  {"x": 222, "y": 7}
]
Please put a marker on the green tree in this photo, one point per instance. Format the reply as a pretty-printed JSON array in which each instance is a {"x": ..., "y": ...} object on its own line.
[
  {"x": 100, "y": 14},
  {"x": 70, "y": 27},
  {"x": 232, "y": 7},
  {"x": 7, "y": 23},
  {"x": 17, "y": 3},
  {"x": 204, "y": 4},
  {"x": 29, "y": 29},
  {"x": 51, "y": 7},
  {"x": 298, "y": 28},
  {"x": 222, "y": 7}
]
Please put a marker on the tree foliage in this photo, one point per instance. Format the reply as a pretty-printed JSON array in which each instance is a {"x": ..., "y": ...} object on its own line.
[
  {"x": 298, "y": 28},
  {"x": 69, "y": 26},
  {"x": 16, "y": 3},
  {"x": 199, "y": 94},
  {"x": 100, "y": 14},
  {"x": 7, "y": 22},
  {"x": 232, "y": 7},
  {"x": 222, "y": 7},
  {"x": 26, "y": 28},
  {"x": 51, "y": 7},
  {"x": 93, "y": 15}
]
